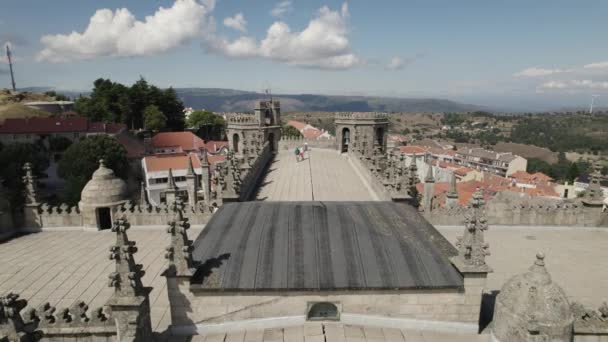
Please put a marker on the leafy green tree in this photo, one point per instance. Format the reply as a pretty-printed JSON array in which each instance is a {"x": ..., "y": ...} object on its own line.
[
  {"x": 209, "y": 125},
  {"x": 114, "y": 102},
  {"x": 59, "y": 143},
  {"x": 81, "y": 159},
  {"x": 154, "y": 119},
  {"x": 291, "y": 132},
  {"x": 12, "y": 159}
]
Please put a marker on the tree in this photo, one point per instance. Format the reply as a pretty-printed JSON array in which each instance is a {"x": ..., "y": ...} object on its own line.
[
  {"x": 154, "y": 119},
  {"x": 211, "y": 126},
  {"x": 12, "y": 159},
  {"x": 81, "y": 159},
  {"x": 114, "y": 102},
  {"x": 291, "y": 132}
]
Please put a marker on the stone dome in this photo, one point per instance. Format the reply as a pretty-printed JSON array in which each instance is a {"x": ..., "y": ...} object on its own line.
[
  {"x": 531, "y": 304},
  {"x": 104, "y": 189}
]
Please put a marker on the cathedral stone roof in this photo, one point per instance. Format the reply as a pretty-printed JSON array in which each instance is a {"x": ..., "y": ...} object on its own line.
[
  {"x": 276, "y": 246},
  {"x": 104, "y": 189},
  {"x": 532, "y": 304}
]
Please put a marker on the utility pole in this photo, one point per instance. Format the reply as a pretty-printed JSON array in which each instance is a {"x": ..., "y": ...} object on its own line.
[
  {"x": 10, "y": 65},
  {"x": 593, "y": 97}
]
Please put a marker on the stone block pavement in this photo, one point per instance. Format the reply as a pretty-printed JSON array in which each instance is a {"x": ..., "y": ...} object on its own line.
[
  {"x": 324, "y": 175},
  {"x": 335, "y": 332},
  {"x": 64, "y": 267}
]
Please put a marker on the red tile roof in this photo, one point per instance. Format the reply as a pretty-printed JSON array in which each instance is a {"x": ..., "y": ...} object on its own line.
[
  {"x": 307, "y": 131},
  {"x": 170, "y": 161},
  {"x": 213, "y": 146},
  {"x": 213, "y": 159},
  {"x": 135, "y": 147},
  {"x": 186, "y": 140},
  {"x": 58, "y": 125},
  {"x": 412, "y": 149}
]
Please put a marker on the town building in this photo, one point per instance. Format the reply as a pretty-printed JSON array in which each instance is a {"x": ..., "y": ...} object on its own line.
[
  {"x": 32, "y": 130},
  {"x": 54, "y": 107},
  {"x": 308, "y": 131},
  {"x": 157, "y": 170},
  {"x": 184, "y": 142},
  {"x": 502, "y": 164}
]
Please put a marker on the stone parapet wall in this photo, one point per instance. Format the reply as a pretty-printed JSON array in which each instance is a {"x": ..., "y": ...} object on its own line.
[
  {"x": 500, "y": 213},
  {"x": 251, "y": 178},
  {"x": 291, "y": 143},
  {"x": 377, "y": 186},
  {"x": 207, "y": 308},
  {"x": 50, "y": 217}
]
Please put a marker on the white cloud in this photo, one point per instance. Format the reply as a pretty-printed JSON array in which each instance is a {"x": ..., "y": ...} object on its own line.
[
  {"x": 396, "y": 63},
  {"x": 598, "y": 65},
  {"x": 322, "y": 44},
  {"x": 119, "y": 34},
  {"x": 282, "y": 8},
  {"x": 237, "y": 22},
  {"x": 538, "y": 72},
  {"x": 575, "y": 85}
]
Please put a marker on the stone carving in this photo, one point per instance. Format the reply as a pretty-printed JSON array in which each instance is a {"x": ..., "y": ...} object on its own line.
[
  {"x": 531, "y": 307},
  {"x": 471, "y": 245},
  {"x": 126, "y": 279},
  {"x": 179, "y": 251},
  {"x": 12, "y": 326},
  {"x": 594, "y": 195},
  {"x": 31, "y": 188}
]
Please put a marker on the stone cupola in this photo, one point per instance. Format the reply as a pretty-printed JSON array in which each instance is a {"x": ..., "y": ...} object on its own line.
[
  {"x": 101, "y": 197},
  {"x": 531, "y": 307}
]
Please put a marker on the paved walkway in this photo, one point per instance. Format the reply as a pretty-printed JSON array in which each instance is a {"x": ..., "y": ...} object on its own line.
[
  {"x": 65, "y": 267},
  {"x": 576, "y": 257},
  {"x": 324, "y": 175},
  {"x": 336, "y": 332}
]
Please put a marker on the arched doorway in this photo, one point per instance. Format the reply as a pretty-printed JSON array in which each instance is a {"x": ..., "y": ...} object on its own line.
[
  {"x": 345, "y": 139},
  {"x": 235, "y": 143},
  {"x": 380, "y": 136},
  {"x": 271, "y": 141},
  {"x": 104, "y": 218}
]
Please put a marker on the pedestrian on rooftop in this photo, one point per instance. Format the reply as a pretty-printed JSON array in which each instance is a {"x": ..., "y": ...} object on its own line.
[{"x": 297, "y": 154}]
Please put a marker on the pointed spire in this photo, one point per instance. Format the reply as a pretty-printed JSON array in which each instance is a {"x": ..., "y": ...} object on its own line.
[
  {"x": 452, "y": 191},
  {"x": 204, "y": 159},
  {"x": 171, "y": 182},
  {"x": 126, "y": 279},
  {"x": 142, "y": 194},
  {"x": 429, "y": 174},
  {"x": 471, "y": 245},
  {"x": 29, "y": 180},
  {"x": 179, "y": 252},
  {"x": 190, "y": 172},
  {"x": 594, "y": 195}
]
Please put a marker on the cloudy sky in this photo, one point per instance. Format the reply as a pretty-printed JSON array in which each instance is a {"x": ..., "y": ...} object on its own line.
[{"x": 512, "y": 54}]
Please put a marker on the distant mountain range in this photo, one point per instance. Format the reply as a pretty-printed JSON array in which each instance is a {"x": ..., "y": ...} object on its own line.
[{"x": 231, "y": 100}]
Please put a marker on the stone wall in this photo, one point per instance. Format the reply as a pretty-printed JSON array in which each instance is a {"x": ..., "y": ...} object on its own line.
[
  {"x": 503, "y": 211},
  {"x": 291, "y": 143},
  {"x": 7, "y": 226},
  {"x": 251, "y": 178},
  {"x": 370, "y": 178},
  {"x": 190, "y": 308},
  {"x": 63, "y": 216}
]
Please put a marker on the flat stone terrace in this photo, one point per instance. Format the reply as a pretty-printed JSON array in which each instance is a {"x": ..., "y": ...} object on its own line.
[
  {"x": 336, "y": 332},
  {"x": 324, "y": 175},
  {"x": 63, "y": 267}
]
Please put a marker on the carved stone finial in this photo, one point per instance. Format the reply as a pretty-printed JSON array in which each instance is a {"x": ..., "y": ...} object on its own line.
[
  {"x": 12, "y": 326},
  {"x": 179, "y": 252},
  {"x": 471, "y": 246},
  {"x": 126, "y": 279},
  {"x": 31, "y": 189},
  {"x": 171, "y": 181}
]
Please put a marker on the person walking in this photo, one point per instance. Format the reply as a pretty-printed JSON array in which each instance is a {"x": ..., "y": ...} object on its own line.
[
  {"x": 305, "y": 150},
  {"x": 297, "y": 154}
]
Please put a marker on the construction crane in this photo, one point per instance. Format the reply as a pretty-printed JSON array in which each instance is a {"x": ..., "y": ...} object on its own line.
[
  {"x": 10, "y": 65},
  {"x": 593, "y": 97}
]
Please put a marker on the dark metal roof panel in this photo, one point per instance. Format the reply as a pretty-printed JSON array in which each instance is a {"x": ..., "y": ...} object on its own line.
[{"x": 322, "y": 246}]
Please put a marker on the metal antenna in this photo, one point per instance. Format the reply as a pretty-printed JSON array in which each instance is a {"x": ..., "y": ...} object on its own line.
[
  {"x": 593, "y": 97},
  {"x": 10, "y": 65}
]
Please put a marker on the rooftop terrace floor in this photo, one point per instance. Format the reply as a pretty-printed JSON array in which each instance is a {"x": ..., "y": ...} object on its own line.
[
  {"x": 323, "y": 175},
  {"x": 64, "y": 267}
]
